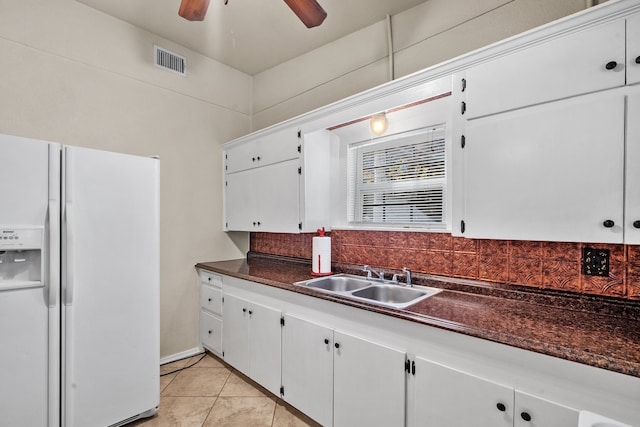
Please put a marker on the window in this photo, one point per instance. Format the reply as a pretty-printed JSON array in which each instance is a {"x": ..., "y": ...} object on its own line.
[{"x": 399, "y": 180}]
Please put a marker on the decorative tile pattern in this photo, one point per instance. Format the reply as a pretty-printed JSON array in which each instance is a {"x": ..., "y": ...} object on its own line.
[{"x": 552, "y": 265}]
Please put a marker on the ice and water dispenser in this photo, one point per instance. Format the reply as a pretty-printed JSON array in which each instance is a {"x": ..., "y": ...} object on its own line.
[{"x": 20, "y": 257}]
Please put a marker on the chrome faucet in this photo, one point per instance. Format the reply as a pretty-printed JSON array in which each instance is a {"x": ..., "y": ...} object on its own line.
[
  {"x": 406, "y": 271},
  {"x": 369, "y": 271}
]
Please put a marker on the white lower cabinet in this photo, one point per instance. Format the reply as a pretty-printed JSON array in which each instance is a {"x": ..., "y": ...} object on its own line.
[
  {"x": 339, "y": 379},
  {"x": 211, "y": 311},
  {"x": 307, "y": 368},
  {"x": 368, "y": 383},
  {"x": 446, "y": 397},
  {"x": 252, "y": 341}
]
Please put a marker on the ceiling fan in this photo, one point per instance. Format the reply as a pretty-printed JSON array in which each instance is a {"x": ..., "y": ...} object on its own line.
[{"x": 309, "y": 11}]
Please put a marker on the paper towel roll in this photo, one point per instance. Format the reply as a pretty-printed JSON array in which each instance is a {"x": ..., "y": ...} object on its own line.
[{"x": 321, "y": 261}]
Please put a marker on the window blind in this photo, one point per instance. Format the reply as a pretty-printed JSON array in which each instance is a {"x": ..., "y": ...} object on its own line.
[{"x": 399, "y": 180}]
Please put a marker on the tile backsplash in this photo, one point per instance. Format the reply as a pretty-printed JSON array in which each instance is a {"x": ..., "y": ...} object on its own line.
[{"x": 553, "y": 265}]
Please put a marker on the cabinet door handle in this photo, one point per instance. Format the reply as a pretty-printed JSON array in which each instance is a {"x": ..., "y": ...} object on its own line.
[
  {"x": 258, "y": 223},
  {"x": 501, "y": 407},
  {"x": 253, "y": 159},
  {"x": 209, "y": 332},
  {"x": 525, "y": 416},
  {"x": 636, "y": 224},
  {"x": 258, "y": 158},
  {"x": 250, "y": 312},
  {"x": 637, "y": 59},
  {"x": 608, "y": 223},
  {"x": 337, "y": 345},
  {"x": 326, "y": 341},
  {"x": 611, "y": 65},
  {"x": 210, "y": 299},
  {"x": 244, "y": 310},
  {"x": 209, "y": 279}
]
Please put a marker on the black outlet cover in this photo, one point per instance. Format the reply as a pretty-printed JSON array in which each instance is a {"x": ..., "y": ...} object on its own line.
[{"x": 595, "y": 262}]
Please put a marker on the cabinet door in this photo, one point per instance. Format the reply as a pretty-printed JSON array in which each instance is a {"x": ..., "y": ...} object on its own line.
[
  {"x": 241, "y": 200},
  {"x": 632, "y": 190},
  {"x": 369, "y": 383},
  {"x": 569, "y": 65},
  {"x": 235, "y": 333},
  {"x": 633, "y": 49},
  {"x": 211, "y": 332},
  {"x": 307, "y": 368},
  {"x": 265, "y": 346},
  {"x": 532, "y": 411},
  {"x": 551, "y": 172},
  {"x": 279, "y": 197},
  {"x": 262, "y": 151},
  {"x": 446, "y": 397}
]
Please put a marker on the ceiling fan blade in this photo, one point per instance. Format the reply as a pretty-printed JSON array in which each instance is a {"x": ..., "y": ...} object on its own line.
[
  {"x": 309, "y": 11},
  {"x": 193, "y": 10}
]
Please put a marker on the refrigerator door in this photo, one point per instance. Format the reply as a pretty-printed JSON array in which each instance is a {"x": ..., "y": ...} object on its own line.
[
  {"x": 110, "y": 234},
  {"x": 29, "y": 334}
]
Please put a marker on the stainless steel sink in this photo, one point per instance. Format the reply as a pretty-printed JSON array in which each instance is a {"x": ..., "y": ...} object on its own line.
[
  {"x": 374, "y": 291},
  {"x": 339, "y": 283},
  {"x": 393, "y": 294}
]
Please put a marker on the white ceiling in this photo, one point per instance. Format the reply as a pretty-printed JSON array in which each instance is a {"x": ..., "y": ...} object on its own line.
[{"x": 251, "y": 35}]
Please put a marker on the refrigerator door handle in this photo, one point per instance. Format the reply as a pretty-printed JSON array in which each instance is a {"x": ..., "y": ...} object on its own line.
[
  {"x": 68, "y": 295},
  {"x": 53, "y": 272}
]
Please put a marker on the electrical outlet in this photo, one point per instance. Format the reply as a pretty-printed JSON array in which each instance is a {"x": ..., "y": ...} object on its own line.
[{"x": 595, "y": 262}]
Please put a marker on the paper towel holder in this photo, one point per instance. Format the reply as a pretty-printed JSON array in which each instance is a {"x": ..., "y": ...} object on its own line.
[{"x": 321, "y": 254}]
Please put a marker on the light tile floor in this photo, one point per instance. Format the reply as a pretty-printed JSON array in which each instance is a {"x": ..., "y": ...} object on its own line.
[{"x": 211, "y": 393}]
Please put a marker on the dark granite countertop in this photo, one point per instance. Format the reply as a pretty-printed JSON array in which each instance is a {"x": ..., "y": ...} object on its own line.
[{"x": 593, "y": 330}]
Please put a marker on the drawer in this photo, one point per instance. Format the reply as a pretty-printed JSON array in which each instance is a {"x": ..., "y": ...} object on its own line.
[
  {"x": 211, "y": 299},
  {"x": 210, "y": 278},
  {"x": 211, "y": 332}
]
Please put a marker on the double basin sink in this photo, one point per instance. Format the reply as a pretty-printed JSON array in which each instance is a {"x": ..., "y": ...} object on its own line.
[{"x": 374, "y": 291}]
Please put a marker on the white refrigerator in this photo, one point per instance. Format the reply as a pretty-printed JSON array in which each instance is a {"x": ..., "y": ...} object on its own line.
[{"x": 79, "y": 285}]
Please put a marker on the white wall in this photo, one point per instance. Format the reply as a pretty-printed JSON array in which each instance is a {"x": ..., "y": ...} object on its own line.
[
  {"x": 425, "y": 35},
  {"x": 74, "y": 75}
]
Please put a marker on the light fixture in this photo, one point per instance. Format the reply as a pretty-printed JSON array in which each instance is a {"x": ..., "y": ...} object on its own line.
[{"x": 378, "y": 124}]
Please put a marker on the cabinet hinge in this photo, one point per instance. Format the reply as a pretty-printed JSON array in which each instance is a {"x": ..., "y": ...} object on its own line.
[
  {"x": 223, "y": 300},
  {"x": 407, "y": 366},
  {"x": 299, "y": 170},
  {"x": 226, "y": 156},
  {"x": 226, "y": 224},
  {"x": 299, "y": 148},
  {"x": 299, "y": 134},
  {"x": 223, "y": 354},
  {"x": 462, "y": 226},
  {"x": 281, "y": 390},
  {"x": 463, "y": 107},
  {"x": 226, "y": 167},
  {"x": 226, "y": 184},
  {"x": 300, "y": 226},
  {"x": 463, "y": 141},
  {"x": 464, "y": 84},
  {"x": 282, "y": 321}
]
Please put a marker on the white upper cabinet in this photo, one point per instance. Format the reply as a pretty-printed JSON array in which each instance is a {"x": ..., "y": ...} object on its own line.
[
  {"x": 550, "y": 172},
  {"x": 262, "y": 151},
  {"x": 633, "y": 49},
  {"x": 279, "y": 187},
  {"x": 585, "y": 61},
  {"x": 632, "y": 183}
]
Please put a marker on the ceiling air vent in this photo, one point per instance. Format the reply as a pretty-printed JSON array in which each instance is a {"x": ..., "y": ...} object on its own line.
[{"x": 170, "y": 61}]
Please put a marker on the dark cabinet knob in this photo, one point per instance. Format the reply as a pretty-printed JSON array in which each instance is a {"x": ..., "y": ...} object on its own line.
[
  {"x": 253, "y": 159},
  {"x": 254, "y": 223},
  {"x": 250, "y": 312},
  {"x": 258, "y": 158},
  {"x": 258, "y": 223},
  {"x": 209, "y": 279},
  {"x": 337, "y": 345},
  {"x": 636, "y": 224},
  {"x": 501, "y": 407},
  {"x": 326, "y": 341},
  {"x": 244, "y": 310},
  {"x": 611, "y": 65},
  {"x": 209, "y": 332},
  {"x": 608, "y": 223},
  {"x": 637, "y": 59},
  {"x": 525, "y": 416},
  {"x": 210, "y": 299}
]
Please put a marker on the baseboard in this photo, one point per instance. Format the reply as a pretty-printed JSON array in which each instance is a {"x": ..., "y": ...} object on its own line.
[{"x": 182, "y": 355}]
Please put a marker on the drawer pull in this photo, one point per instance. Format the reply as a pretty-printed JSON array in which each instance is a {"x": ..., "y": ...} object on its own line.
[
  {"x": 210, "y": 299},
  {"x": 636, "y": 224},
  {"x": 326, "y": 341},
  {"x": 210, "y": 332},
  {"x": 525, "y": 416},
  {"x": 611, "y": 65},
  {"x": 608, "y": 223},
  {"x": 501, "y": 407}
]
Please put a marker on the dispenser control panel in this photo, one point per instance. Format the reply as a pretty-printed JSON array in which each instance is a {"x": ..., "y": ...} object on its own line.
[{"x": 20, "y": 238}]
